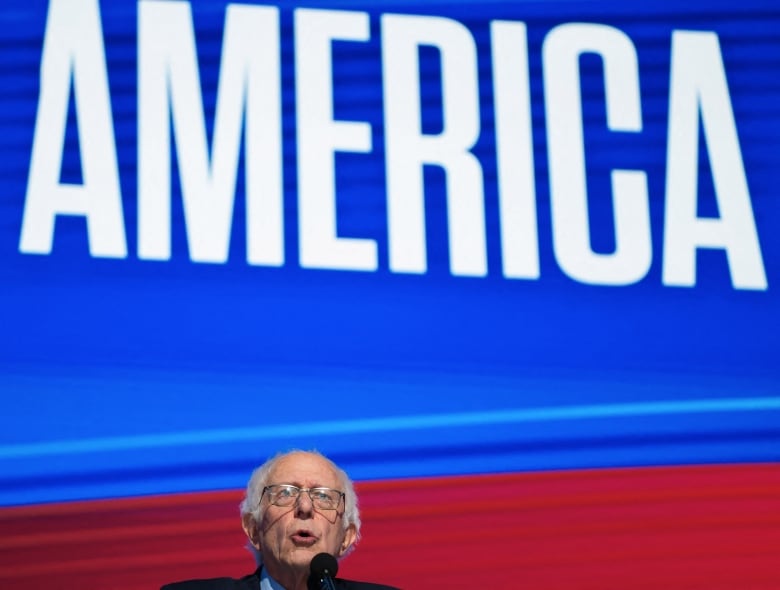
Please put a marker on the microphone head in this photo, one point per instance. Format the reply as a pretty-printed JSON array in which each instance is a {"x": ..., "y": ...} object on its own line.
[{"x": 324, "y": 564}]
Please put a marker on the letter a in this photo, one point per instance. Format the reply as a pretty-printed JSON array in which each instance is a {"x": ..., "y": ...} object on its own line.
[
  {"x": 698, "y": 85},
  {"x": 73, "y": 50}
]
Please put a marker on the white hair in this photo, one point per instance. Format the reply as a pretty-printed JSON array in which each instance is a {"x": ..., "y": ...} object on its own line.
[{"x": 252, "y": 506}]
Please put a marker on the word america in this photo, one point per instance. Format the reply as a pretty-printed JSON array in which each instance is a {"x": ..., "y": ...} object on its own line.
[{"x": 249, "y": 103}]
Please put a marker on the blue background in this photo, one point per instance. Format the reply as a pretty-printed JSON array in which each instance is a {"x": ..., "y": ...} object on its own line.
[{"x": 124, "y": 377}]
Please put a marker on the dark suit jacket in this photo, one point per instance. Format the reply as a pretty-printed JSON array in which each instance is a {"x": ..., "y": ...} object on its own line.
[{"x": 252, "y": 582}]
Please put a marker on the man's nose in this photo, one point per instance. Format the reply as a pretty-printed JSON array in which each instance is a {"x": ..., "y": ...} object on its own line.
[{"x": 303, "y": 504}]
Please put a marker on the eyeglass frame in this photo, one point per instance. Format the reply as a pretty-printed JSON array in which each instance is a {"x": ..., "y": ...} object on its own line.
[{"x": 342, "y": 495}]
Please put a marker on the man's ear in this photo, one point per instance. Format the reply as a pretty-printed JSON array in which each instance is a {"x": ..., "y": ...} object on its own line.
[
  {"x": 250, "y": 527},
  {"x": 349, "y": 538}
]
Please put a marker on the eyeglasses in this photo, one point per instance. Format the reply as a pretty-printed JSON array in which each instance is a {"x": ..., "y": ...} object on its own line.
[{"x": 287, "y": 495}]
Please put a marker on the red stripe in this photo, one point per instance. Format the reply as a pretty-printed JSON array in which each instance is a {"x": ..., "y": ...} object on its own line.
[{"x": 671, "y": 527}]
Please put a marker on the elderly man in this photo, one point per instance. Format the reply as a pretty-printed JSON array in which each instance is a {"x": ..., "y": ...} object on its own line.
[{"x": 298, "y": 504}]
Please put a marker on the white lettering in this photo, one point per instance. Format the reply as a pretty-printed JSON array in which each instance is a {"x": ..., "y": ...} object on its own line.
[
  {"x": 698, "y": 85},
  {"x": 408, "y": 149},
  {"x": 319, "y": 137},
  {"x": 514, "y": 151},
  {"x": 248, "y": 115},
  {"x": 631, "y": 259},
  {"x": 169, "y": 82},
  {"x": 73, "y": 50}
]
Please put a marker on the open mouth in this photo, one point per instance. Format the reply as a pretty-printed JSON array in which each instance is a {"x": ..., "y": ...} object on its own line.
[{"x": 303, "y": 537}]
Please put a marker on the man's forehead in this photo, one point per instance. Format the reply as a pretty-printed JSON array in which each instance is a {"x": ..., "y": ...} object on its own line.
[{"x": 304, "y": 469}]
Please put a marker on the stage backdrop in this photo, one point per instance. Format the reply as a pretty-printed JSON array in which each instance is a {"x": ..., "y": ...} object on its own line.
[{"x": 514, "y": 265}]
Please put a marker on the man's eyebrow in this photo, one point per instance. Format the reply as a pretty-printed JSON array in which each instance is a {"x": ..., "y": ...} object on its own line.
[{"x": 314, "y": 486}]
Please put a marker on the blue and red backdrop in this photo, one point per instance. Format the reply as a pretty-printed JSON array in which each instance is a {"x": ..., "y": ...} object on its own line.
[{"x": 512, "y": 265}]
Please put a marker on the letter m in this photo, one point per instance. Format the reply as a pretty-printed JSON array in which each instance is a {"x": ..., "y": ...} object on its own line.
[{"x": 248, "y": 99}]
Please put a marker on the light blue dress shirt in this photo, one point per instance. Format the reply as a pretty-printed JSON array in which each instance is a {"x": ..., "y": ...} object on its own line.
[{"x": 268, "y": 583}]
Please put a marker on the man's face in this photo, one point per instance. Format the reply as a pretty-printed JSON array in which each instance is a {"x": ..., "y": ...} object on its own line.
[{"x": 289, "y": 537}]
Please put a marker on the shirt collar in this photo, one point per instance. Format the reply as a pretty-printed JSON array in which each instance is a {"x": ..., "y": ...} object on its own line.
[{"x": 267, "y": 582}]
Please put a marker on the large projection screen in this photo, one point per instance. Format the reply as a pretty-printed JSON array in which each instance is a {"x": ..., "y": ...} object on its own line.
[{"x": 512, "y": 264}]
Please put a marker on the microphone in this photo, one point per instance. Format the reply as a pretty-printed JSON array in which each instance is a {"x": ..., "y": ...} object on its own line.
[{"x": 323, "y": 569}]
